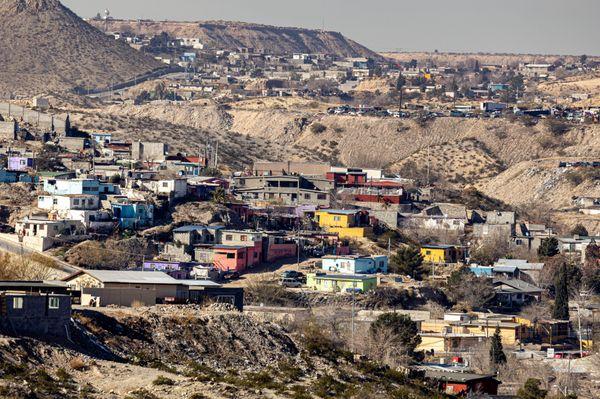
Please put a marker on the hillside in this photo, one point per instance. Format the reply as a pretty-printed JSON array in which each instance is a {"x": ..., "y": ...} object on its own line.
[
  {"x": 45, "y": 47},
  {"x": 232, "y": 35},
  {"x": 457, "y": 59},
  {"x": 542, "y": 181},
  {"x": 185, "y": 352}
]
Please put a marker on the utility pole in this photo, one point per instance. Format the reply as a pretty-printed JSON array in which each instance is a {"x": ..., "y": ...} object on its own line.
[
  {"x": 217, "y": 155},
  {"x": 352, "y": 317},
  {"x": 428, "y": 165}
]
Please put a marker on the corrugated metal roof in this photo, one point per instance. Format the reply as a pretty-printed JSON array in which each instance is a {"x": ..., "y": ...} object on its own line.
[{"x": 131, "y": 276}]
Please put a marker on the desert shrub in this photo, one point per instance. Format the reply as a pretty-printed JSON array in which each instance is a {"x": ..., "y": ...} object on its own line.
[
  {"x": 63, "y": 376},
  {"x": 201, "y": 372},
  {"x": 328, "y": 387},
  {"x": 162, "y": 380},
  {"x": 318, "y": 128},
  {"x": 141, "y": 394},
  {"x": 557, "y": 127},
  {"x": 268, "y": 293},
  {"x": 77, "y": 364},
  {"x": 318, "y": 343}
]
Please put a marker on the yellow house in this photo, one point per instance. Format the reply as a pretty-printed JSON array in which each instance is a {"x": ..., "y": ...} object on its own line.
[
  {"x": 442, "y": 343},
  {"x": 346, "y": 223},
  {"x": 510, "y": 331},
  {"x": 439, "y": 253}
]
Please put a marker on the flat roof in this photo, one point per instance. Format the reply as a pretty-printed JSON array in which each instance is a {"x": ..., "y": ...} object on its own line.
[
  {"x": 221, "y": 246},
  {"x": 37, "y": 284},
  {"x": 344, "y": 277},
  {"x": 187, "y": 229},
  {"x": 455, "y": 377},
  {"x": 127, "y": 276},
  {"x": 340, "y": 211},
  {"x": 440, "y": 246}
]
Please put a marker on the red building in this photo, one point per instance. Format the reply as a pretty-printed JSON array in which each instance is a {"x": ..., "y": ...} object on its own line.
[
  {"x": 461, "y": 384},
  {"x": 347, "y": 178}
]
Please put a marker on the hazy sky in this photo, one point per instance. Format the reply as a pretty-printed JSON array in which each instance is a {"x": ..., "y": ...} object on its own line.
[{"x": 516, "y": 26}]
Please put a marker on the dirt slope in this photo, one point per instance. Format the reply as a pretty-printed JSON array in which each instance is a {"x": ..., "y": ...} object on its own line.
[
  {"x": 233, "y": 35},
  {"x": 46, "y": 47},
  {"x": 540, "y": 181}
]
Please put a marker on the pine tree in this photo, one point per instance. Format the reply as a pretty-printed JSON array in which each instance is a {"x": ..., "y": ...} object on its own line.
[
  {"x": 532, "y": 390},
  {"x": 407, "y": 260},
  {"x": 561, "y": 301},
  {"x": 548, "y": 248},
  {"x": 497, "y": 355}
]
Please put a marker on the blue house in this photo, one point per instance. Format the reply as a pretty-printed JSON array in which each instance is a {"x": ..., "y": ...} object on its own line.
[
  {"x": 133, "y": 215},
  {"x": 7, "y": 176},
  {"x": 482, "y": 271},
  {"x": 494, "y": 87},
  {"x": 353, "y": 264}
]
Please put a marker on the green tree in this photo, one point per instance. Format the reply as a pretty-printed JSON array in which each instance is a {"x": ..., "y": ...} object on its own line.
[
  {"x": 497, "y": 355},
  {"x": 407, "y": 260},
  {"x": 401, "y": 328},
  {"x": 548, "y": 248},
  {"x": 579, "y": 230},
  {"x": 219, "y": 196},
  {"x": 532, "y": 390},
  {"x": 465, "y": 288},
  {"x": 560, "y": 310}
]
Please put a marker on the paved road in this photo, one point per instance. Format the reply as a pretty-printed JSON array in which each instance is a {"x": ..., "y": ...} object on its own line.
[
  {"x": 31, "y": 116},
  {"x": 12, "y": 247}
]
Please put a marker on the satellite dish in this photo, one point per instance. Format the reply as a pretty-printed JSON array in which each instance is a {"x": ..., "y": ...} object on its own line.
[{"x": 106, "y": 13}]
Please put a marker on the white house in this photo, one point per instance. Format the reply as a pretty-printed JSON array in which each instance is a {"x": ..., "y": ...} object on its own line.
[
  {"x": 174, "y": 188},
  {"x": 355, "y": 264},
  {"x": 68, "y": 202}
]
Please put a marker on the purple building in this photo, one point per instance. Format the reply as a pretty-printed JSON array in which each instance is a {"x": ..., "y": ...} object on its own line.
[
  {"x": 177, "y": 270},
  {"x": 20, "y": 164}
]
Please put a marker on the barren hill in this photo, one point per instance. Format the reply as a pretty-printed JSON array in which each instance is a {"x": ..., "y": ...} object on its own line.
[
  {"x": 45, "y": 47},
  {"x": 232, "y": 35}
]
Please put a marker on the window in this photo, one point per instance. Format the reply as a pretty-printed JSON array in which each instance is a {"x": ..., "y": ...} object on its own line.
[
  {"x": 306, "y": 196},
  {"x": 165, "y": 184},
  {"x": 337, "y": 218},
  {"x": 54, "y": 201},
  {"x": 53, "y": 303},
  {"x": 17, "y": 303},
  {"x": 321, "y": 196},
  {"x": 75, "y": 202},
  {"x": 428, "y": 252},
  {"x": 244, "y": 238},
  {"x": 230, "y": 256},
  {"x": 228, "y": 237},
  {"x": 271, "y": 195}
]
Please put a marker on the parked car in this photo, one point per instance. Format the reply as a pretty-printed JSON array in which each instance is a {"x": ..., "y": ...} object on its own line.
[
  {"x": 292, "y": 274},
  {"x": 291, "y": 283}
]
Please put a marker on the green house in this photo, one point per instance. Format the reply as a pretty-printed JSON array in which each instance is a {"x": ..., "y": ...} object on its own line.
[{"x": 341, "y": 282}]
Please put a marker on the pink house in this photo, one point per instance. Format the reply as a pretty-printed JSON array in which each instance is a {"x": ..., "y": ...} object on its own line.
[
  {"x": 235, "y": 257},
  {"x": 279, "y": 247}
]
